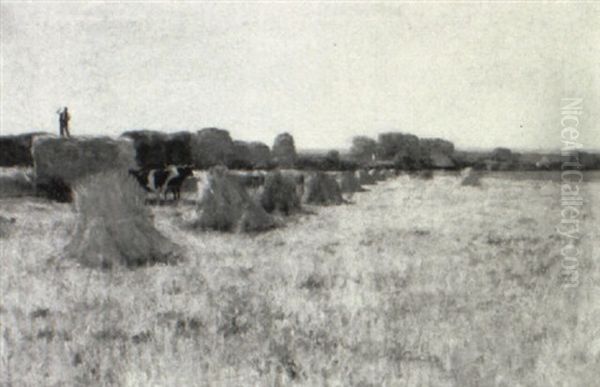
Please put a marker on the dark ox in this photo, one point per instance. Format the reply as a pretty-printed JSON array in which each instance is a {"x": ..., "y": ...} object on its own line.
[{"x": 161, "y": 181}]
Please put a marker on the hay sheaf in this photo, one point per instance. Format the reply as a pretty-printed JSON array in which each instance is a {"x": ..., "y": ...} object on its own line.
[
  {"x": 349, "y": 183},
  {"x": 280, "y": 194},
  {"x": 389, "y": 173},
  {"x": 226, "y": 206},
  {"x": 376, "y": 174},
  {"x": 364, "y": 178},
  {"x": 6, "y": 225},
  {"x": 190, "y": 185},
  {"x": 322, "y": 189},
  {"x": 114, "y": 227},
  {"x": 470, "y": 177}
]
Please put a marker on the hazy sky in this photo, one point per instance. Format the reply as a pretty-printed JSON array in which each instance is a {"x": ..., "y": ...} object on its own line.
[{"x": 481, "y": 75}]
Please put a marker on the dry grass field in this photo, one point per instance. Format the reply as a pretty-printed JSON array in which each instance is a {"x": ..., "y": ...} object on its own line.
[{"x": 414, "y": 283}]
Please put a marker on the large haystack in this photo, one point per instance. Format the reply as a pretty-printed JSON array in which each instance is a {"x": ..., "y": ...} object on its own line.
[
  {"x": 157, "y": 149},
  {"x": 114, "y": 226},
  {"x": 74, "y": 158},
  {"x": 284, "y": 151},
  {"x": 280, "y": 194},
  {"x": 212, "y": 146},
  {"x": 260, "y": 155},
  {"x": 250, "y": 155},
  {"x": 15, "y": 151},
  {"x": 150, "y": 147},
  {"x": 179, "y": 149},
  {"x": 470, "y": 177},
  {"x": 364, "y": 178},
  {"x": 226, "y": 206},
  {"x": 349, "y": 182},
  {"x": 241, "y": 157},
  {"x": 322, "y": 189}
]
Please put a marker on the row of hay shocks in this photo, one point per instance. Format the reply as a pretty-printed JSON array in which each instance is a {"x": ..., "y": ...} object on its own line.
[
  {"x": 227, "y": 206},
  {"x": 115, "y": 226}
]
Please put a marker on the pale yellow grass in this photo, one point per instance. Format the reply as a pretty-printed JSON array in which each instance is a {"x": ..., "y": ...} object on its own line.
[{"x": 417, "y": 283}]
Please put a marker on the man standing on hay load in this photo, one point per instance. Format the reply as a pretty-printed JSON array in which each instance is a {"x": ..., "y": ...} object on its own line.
[{"x": 63, "y": 121}]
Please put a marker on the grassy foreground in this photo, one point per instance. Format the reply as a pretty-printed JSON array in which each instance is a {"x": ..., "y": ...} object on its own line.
[{"x": 417, "y": 283}]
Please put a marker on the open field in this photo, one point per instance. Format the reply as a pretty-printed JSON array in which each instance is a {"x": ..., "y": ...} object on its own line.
[{"x": 415, "y": 283}]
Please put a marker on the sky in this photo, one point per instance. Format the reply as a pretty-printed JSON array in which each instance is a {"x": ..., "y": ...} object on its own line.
[{"x": 478, "y": 74}]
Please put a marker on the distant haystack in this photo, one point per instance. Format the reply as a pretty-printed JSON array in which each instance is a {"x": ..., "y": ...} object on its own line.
[
  {"x": 280, "y": 194},
  {"x": 470, "y": 177},
  {"x": 364, "y": 178},
  {"x": 543, "y": 163},
  {"x": 226, "y": 206},
  {"x": 62, "y": 162},
  {"x": 441, "y": 161},
  {"x": 436, "y": 153},
  {"x": 322, "y": 189},
  {"x": 250, "y": 155},
  {"x": 284, "y": 151},
  {"x": 212, "y": 146},
  {"x": 349, "y": 182},
  {"x": 114, "y": 226}
]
